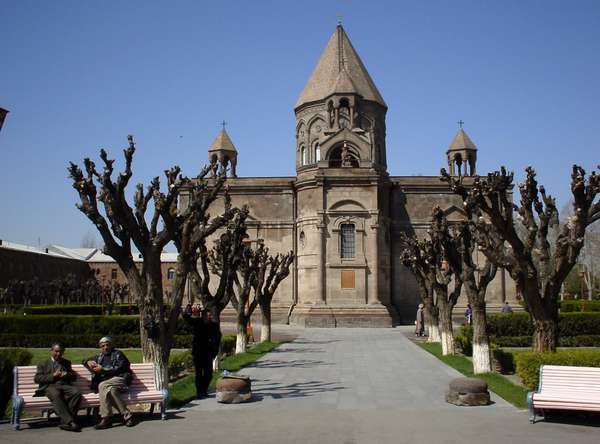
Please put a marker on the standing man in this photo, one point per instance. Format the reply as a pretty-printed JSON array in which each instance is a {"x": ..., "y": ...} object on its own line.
[
  {"x": 506, "y": 308},
  {"x": 420, "y": 321},
  {"x": 205, "y": 347},
  {"x": 111, "y": 377},
  {"x": 54, "y": 377}
]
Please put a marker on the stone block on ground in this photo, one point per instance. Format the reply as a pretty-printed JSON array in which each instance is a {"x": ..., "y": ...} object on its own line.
[
  {"x": 233, "y": 389},
  {"x": 468, "y": 392}
]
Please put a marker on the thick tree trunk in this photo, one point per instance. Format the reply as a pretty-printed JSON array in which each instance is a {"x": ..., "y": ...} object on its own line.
[
  {"x": 544, "y": 313},
  {"x": 445, "y": 324},
  {"x": 481, "y": 346},
  {"x": 265, "y": 327},
  {"x": 432, "y": 319},
  {"x": 157, "y": 352},
  {"x": 241, "y": 343},
  {"x": 545, "y": 335},
  {"x": 434, "y": 332}
]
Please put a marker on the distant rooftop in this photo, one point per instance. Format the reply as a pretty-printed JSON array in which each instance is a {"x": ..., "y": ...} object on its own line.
[{"x": 93, "y": 255}]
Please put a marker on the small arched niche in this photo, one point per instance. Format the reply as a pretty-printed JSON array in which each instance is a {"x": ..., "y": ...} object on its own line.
[{"x": 343, "y": 155}]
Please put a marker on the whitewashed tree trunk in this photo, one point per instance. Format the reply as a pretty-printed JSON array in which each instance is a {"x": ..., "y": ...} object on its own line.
[
  {"x": 434, "y": 333},
  {"x": 481, "y": 358},
  {"x": 241, "y": 342},
  {"x": 447, "y": 343},
  {"x": 481, "y": 346}
]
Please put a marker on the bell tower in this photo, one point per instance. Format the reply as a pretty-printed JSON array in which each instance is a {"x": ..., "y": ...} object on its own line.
[
  {"x": 342, "y": 190},
  {"x": 340, "y": 112}
]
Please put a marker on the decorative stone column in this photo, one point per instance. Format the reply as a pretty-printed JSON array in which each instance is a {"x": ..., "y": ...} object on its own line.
[
  {"x": 373, "y": 293},
  {"x": 320, "y": 264}
]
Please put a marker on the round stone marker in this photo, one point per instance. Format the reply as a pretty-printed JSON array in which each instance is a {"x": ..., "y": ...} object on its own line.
[
  {"x": 233, "y": 389},
  {"x": 468, "y": 391}
]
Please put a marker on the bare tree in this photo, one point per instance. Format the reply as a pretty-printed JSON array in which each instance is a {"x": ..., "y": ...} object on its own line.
[
  {"x": 444, "y": 275},
  {"x": 272, "y": 270},
  {"x": 223, "y": 261},
  {"x": 428, "y": 261},
  {"x": 123, "y": 226},
  {"x": 459, "y": 251},
  {"x": 415, "y": 256},
  {"x": 244, "y": 280},
  {"x": 537, "y": 268}
]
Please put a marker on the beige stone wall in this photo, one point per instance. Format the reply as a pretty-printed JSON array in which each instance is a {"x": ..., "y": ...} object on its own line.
[{"x": 412, "y": 202}]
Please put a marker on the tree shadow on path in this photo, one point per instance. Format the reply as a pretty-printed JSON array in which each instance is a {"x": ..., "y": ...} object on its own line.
[{"x": 296, "y": 390}]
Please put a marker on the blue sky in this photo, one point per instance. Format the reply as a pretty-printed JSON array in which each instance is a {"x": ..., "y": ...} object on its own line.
[{"x": 77, "y": 76}]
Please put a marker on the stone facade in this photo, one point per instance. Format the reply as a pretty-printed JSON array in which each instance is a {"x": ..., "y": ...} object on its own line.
[{"x": 342, "y": 214}]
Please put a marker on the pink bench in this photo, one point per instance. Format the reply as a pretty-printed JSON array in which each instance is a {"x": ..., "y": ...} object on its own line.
[
  {"x": 565, "y": 388},
  {"x": 142, "y": 390}
]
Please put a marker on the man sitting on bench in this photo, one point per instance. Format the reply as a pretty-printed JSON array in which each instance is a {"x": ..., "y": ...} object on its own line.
[
  {"x": 54, "y": 377},
  {"x": 112, "y": 375}
]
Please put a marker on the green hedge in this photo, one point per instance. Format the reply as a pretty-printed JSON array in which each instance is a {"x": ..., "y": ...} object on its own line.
[
  {"x": 519, "y": 324},
  {"x": 509, "y": 324},
  {"x": 118, "y": 309},
  {"x": 9, "y": 358},
  {"x": 579, "y": 305},
  {"x": 528, "y": 363},
  {"x": 78, "y": 330},
  {"x": 76, "y": 324}
]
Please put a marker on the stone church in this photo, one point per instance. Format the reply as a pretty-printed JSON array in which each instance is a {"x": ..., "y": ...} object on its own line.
[{"x": 343, "y": 213}]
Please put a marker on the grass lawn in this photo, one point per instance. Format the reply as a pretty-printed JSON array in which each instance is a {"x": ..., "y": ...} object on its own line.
[
  {"x": 184, "y": 390},
  {"x": 500, "y": 385}
]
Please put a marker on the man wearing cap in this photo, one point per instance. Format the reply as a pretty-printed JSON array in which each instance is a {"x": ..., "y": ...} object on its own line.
[
  {"x": 112, "y": 376},
  {"x": 54, "y": 377}
]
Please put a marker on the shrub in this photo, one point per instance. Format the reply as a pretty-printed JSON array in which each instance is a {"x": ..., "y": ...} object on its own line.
[
  {"x": 180, "y": 362},
  {"x": 227, "y": 346},
  {"x": 73, "y": 309},
  {"x": 503, "y": 361},
  {"x": 579, "y": 305},
  {"x": 509, "y": 324},
  {"x": 519, "y": 324},
  {"x": 512, "y": 341},
  {"x": 575, "y": 324},
  {"x": 464, "y": 340},
  {"x": 9, "y": 358},
  {"x": 528, "y": 363},
  {"x": 579, "y": 341}
]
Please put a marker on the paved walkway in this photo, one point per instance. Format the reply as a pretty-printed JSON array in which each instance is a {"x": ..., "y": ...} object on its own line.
[{"x": 345, "y": 386}]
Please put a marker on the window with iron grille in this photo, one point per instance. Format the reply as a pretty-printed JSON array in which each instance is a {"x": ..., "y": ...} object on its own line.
[{"x": 347, "y": 241}]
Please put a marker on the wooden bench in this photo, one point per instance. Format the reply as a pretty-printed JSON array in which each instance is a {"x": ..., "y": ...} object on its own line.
[
  {"x": 565, "y": 388},
  {"x": 142, "y": 390}
]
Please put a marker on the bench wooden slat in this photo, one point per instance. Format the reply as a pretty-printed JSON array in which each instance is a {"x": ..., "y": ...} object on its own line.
[
  {"x": 566, "y": 388},
  {"x": 141, "y": 390}
]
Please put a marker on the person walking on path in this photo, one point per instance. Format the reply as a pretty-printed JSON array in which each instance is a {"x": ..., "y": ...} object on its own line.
[
  {"x": 55, "y": 377},
  {"x": 111, "y": 377},
  {"x": 205, "y": 347},
  {"x": 420, "y": 321}
]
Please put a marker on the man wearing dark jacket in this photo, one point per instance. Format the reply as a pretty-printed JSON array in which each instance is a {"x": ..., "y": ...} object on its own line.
[
  {"x": 205, "y": 347},
  {"x": 111, "y": 376},
  {"x": 54, "y": 377}
]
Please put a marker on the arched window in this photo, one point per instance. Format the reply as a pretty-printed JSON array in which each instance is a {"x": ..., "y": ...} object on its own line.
[
  {"x": 302, "y": 239},
  {"x": 347, "y": 241},
  {"x": 303, "y": 159},
  {"x": 171, "y": 274},
  {"x": 317, "y": 152}
]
